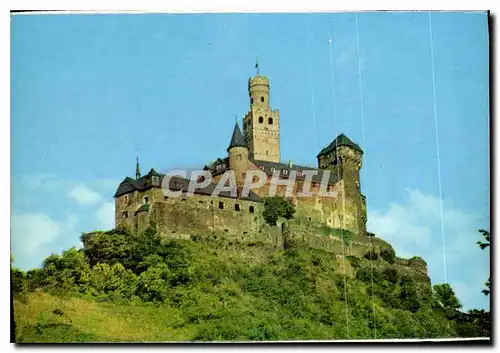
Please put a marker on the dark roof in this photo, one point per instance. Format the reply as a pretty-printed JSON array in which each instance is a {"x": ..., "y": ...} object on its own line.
[
  {"x": 129, "y": 185},
  {"x": 270, "y": 167},
  {"x": 177, "y": 183},
  {"x": 237, "y": 140},
  {"x": 153, "y": 172},
  {"x": 340, "y": 140}
]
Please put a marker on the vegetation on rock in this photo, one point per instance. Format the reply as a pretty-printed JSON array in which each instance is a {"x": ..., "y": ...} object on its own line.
[{"x": 124, "y": 287}]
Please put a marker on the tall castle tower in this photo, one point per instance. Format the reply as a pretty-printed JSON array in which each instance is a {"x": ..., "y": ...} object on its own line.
[{"x": 261, "y": 125}]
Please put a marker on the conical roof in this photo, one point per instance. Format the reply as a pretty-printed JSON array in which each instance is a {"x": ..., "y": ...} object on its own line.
[
  {"x": 340, "y": 140},
  {"x": 237, "y": 139}
]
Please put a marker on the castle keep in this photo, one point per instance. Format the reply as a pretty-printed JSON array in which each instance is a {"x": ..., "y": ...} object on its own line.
[{"x": 140, "y": 201}]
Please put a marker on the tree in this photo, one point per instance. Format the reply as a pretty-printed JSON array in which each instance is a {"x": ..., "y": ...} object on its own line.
[
  {"x": 487, "y": 237},
  {"x": 483, "y": 246},
  {"x": 277, "y": 207},
  {"x": 445, "y": 297},
  {"x": 67, "y": 272}
]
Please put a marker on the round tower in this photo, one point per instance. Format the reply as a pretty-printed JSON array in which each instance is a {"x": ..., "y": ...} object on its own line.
[
  {"x": 238, "y": 156},
  {"x": 258, "y": 91}
]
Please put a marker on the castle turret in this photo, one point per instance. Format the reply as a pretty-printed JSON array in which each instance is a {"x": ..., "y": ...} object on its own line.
[
  {"x": 261, "y": 124},
  {"x": 344, "y": 158},
  {"x": 238, "y": 155}
]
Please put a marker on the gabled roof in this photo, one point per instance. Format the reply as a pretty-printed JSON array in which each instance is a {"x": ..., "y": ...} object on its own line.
[
  {"x": 129, "y": 185},
  {"x": 237, "y": 140},
  {"x": 270, "y": 167},
  {"x": 340, "y": 140}
]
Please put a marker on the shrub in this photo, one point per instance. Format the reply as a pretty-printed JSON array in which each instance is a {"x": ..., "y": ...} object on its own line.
[
  {"x": 114, "y": 280},
  {"x": 391, "y": 274},
  {"x": 371, "y": 255},
  {"x": 388, "y": 254},
  {"x": 19, "y": 282}
]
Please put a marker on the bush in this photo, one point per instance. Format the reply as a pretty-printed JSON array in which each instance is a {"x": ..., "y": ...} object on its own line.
[
  {"x": 391, "y": 274},
  {"x": 388, "y": 254},
  {"x": 371, "y": 255},
  {"x": 114, "y": 280},
  {"x": 69, "y": 272},
  {"x": 19, "y": 282}
]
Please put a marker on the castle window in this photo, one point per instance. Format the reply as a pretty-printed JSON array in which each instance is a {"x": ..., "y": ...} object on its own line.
[
  {"x": 267, "y": 153},
  {"x": 221, "y": 205},
  {"x": 261, "y": 120},
  {"x": 270, "y": 121},
  {"x": 236, "y": 207},
  {"x": 126, "y": 199},
  {"x": 251, "y": 209},
  {"x": 262, "y": 99},
  {"x": 125, "y": 214},
  {"x": 238, "y": 157},
  {"x": 146, "y": 199},
  {"x": 165, "y": 198},
  {"x": 251, "y": 100}
]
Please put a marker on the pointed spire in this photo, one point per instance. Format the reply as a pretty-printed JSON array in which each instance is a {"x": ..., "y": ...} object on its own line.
[
  {"x": 137, "y": 169},
  {"x": 237, "y": 139}
]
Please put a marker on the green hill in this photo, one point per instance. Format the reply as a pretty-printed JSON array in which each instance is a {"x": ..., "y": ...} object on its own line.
[{"x": 136, "y": 288}]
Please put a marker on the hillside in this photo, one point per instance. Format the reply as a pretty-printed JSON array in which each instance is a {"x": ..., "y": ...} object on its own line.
[{"x": 123, "y": 287}]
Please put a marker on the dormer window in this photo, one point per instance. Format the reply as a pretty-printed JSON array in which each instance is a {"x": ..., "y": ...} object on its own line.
[{"x": 155, "y": 180}]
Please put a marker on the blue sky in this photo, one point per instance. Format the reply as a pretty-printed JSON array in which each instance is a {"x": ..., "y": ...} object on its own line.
[{"x": 91, "y": 92}]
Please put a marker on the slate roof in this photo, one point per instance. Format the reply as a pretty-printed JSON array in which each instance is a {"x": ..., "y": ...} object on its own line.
[
  {"x": 143, "y": 183},
  {"x": 269, "y": 167},
  {"x": 175, "y": 184},
  {"x": 340, "y": 140},
  {"x": 237, "y": 140}
]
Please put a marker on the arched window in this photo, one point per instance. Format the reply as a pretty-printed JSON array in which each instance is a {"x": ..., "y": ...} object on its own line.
[
  {"x": 236, "y": 207},
  {"x": 251, "y": 209},
  {"x": 270, "y": 121},
  {"x": 262, "y": 99},
  {"x": 261, "y": 120},
  {"x": 221, "y": 205}
]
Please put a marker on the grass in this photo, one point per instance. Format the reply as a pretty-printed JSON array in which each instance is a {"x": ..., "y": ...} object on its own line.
[{"x": 86, "y": 320}]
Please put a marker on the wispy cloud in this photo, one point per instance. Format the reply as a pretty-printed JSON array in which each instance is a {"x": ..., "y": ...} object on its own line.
[
  {"x": 36, "y": 231},
  {"x": 413, "y": 228},
  {"x": 84, "y": 195}
]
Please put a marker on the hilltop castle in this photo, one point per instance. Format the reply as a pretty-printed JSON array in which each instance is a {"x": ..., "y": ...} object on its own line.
[{"x": 141, "y": 201}]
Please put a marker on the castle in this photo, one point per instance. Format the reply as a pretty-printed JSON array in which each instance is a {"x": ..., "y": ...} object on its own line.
[{"x": 141, "y": 202}]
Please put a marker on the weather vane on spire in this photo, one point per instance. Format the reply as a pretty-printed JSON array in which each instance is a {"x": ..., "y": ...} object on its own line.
[{"x": 257, "y": 65}]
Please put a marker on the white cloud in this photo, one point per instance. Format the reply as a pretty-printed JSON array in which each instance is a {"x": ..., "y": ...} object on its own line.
[
  {"x": 29, "y": 231},
  {"x": 84, "y": 195},
  {"x": 413, "y": 228},
  {"x": 105, "y": 215}
]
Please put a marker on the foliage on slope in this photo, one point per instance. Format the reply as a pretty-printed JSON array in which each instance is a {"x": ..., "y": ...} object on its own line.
[{"x": 153, "y": 289}]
